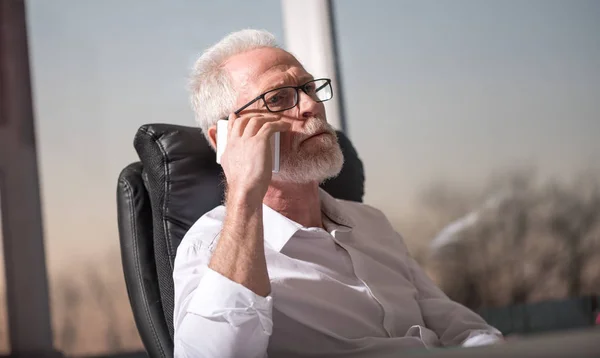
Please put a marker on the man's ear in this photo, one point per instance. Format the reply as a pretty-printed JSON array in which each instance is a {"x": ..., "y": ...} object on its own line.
[{"x": 212, "y": 136}]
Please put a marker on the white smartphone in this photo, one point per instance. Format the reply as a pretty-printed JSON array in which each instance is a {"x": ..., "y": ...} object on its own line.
[{"x": 222, "y": 143}]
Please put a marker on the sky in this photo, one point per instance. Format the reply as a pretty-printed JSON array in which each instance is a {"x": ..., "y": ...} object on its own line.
[{"x": 435, "y": 91}]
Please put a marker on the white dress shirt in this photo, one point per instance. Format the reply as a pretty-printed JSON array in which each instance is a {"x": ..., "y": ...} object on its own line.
[{"x": 351, "y": 290}]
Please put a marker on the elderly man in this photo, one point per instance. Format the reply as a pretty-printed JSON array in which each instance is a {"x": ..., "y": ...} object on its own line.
[{"x": 282, "y": 268}]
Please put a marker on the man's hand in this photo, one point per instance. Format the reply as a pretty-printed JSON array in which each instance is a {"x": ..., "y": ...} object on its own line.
[
  {"x": 248, "y": 163},
  {"x": 247, "y": 160}
]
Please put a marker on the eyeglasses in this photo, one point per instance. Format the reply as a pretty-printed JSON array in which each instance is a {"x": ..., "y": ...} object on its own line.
[{"x": 284, "y": 98}]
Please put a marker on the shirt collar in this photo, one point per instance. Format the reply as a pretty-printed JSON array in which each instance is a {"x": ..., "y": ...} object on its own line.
[
  {"x": 331, "y": 207},
  {"x": 278, "y": 229}
]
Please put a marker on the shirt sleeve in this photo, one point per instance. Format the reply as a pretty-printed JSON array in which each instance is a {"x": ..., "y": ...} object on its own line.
[
  {"x": 454, "y": 324},
  {"x": 214, "y": 316}
]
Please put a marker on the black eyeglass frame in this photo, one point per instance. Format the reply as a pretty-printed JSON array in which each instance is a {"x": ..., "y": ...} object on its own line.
[{"x": 301, "y": 87}]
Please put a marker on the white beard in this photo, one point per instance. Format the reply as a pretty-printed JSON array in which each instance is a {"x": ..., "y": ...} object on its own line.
[{"x": 314, "y": 160}]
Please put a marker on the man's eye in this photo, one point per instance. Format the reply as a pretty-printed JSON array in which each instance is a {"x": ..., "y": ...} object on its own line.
[
  {"x": 276, "y": 98},
  {"x": 310, "y": 88}
]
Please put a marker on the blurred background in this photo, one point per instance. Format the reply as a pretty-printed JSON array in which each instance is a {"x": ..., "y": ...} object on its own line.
[{"x": 482, "y": 115}]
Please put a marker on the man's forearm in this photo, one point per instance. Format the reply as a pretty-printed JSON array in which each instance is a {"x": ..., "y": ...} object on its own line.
[
  {"x": 240, "y": 254},
  {"x": 454, "y": 323}
]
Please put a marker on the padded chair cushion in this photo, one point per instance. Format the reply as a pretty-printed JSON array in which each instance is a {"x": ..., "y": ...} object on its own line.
[
  {"x": 139, "y": 267},
  {"x": 184, "y": 182}
]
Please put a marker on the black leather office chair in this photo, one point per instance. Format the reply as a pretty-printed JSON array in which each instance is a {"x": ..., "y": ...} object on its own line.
[{"x": 175, "y": 182}]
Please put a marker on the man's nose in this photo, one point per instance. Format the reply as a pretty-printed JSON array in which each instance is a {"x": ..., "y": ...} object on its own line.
[{"x": 307, "y": 106}]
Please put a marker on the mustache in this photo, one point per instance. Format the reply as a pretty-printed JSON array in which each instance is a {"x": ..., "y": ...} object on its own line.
[{"x": 311, "y": 127}]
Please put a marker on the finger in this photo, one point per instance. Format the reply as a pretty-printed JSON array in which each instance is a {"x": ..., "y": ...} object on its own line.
[
  {"x": 271, "y": 127},
  {"x": 256, "y": 123},
  {"x": 240, "y": 125},
  {"x": 230, "y": 122}
]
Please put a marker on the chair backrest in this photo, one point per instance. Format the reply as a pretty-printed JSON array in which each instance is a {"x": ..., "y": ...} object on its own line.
[{"x": 176, "y": 181}]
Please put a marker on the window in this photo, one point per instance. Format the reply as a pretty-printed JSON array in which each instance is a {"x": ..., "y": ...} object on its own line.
[
  {"x": 101, "y": 69},
  {"x": 447, "y": 99}
]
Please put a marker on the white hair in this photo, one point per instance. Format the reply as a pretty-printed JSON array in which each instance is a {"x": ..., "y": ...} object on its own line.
[{"x": 212, "y": 93}]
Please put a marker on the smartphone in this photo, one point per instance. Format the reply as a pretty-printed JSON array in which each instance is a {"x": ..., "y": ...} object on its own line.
[{"x": 222, "y": 143}]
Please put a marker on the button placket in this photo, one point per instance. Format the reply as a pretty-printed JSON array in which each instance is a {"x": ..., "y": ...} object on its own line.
[{"x": 386, "y": 323}]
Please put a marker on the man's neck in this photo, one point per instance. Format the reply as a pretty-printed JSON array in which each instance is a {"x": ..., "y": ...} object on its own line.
[{"x": 298, "y": 202}]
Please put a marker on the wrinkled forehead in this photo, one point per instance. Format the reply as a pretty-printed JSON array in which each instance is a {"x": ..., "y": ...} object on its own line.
[{"x": 265, "y": 67}]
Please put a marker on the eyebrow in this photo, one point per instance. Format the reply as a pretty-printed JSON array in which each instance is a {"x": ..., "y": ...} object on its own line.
[{"x": 282, "y": 83}]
